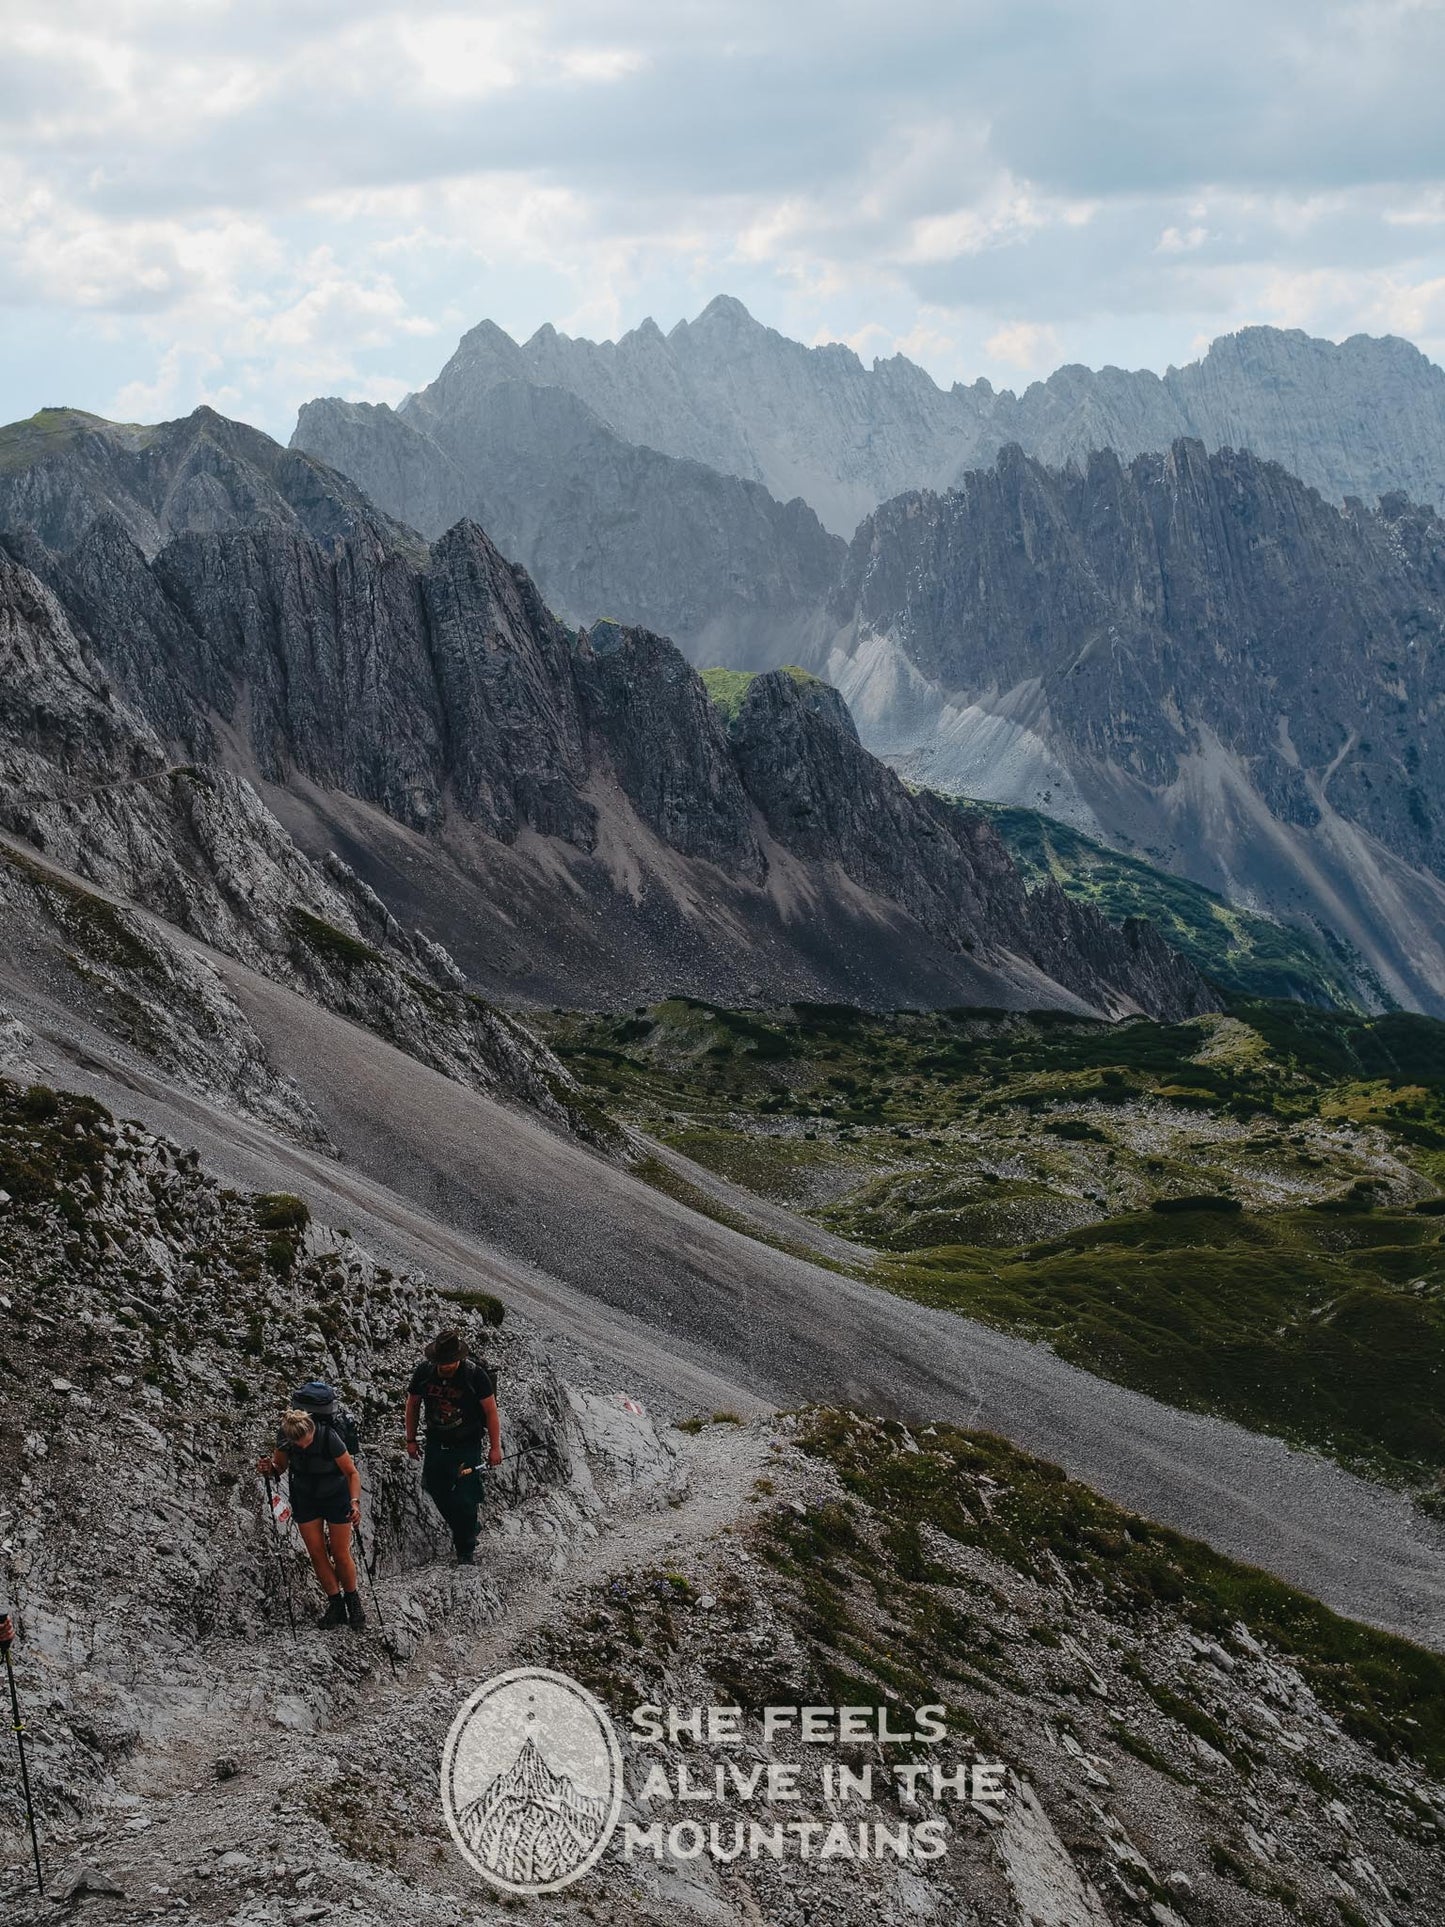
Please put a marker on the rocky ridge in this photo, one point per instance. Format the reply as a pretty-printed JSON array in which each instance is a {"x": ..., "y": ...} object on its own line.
[
  {"x": 426, "y": 721},
  {"x": 1360, "y": 417},
  {"x": 1194, "y": 656}
]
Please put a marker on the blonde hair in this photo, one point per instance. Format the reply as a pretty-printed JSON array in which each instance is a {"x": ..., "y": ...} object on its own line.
[{"x": 296, "y": 1425}]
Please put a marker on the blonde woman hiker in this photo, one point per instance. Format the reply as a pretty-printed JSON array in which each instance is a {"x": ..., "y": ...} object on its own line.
[{"x": 325, "y": 1489}]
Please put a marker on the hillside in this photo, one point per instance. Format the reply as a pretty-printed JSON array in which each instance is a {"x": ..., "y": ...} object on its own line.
[
  {"x": 1136, "y": 1690},
  {"x": 1245, "y": 955},
  {"x": 1237, "y": 1214}
]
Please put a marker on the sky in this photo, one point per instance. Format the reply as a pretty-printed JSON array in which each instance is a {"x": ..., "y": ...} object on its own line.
[{"x": 252, "y": 204}]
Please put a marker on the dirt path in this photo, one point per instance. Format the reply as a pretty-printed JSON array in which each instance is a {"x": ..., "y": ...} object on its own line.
[{"x": 241, "y": 1801}]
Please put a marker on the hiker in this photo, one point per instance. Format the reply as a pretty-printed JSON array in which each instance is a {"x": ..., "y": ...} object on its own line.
[
  {"x": 325, "y": 1490},
  {"x": 460, "y": 1400}
]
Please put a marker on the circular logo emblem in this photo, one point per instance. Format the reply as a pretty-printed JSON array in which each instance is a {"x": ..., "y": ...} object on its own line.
[{"x": 532, "y": 1780}]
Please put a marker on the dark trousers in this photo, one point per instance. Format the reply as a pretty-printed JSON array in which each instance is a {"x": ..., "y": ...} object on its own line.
[{"x": 453, "y": 1478}]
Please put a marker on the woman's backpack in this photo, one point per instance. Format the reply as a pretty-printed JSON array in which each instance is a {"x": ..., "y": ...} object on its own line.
[{"x": 324, "y": 1405}]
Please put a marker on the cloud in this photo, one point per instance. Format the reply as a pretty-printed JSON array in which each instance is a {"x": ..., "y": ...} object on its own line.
[
  {"x": 250, "y": 198},
  {"x": 1025, "y": 345}
]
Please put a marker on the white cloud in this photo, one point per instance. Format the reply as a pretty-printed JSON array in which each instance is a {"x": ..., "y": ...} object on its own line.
[
  {"x": 1024, "y": 345},
  {"x": 242, "y": 200}
]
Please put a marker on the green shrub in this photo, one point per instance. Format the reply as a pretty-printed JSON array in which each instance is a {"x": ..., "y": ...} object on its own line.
[
  {"x": 492, "y": 1310},
  {"x": 1200, "y": 1201},
  {"x": 280, "y": 1211}
]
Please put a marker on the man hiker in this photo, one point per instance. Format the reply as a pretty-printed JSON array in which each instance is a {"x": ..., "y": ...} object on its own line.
[
  {"x": 459, "y": 1397},
  {"x": 325, "y": 1489}
]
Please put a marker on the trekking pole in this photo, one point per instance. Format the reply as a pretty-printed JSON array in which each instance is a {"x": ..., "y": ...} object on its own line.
[
  {"x": 19, "y": 1726},
  {"x": 376, "y": 1604},
  {"x": 285, "y": 1576}
]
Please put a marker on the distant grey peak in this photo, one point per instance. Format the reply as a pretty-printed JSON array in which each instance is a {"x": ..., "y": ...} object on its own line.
[
  {"x": 725, "y": 310},
  {"x": 1355, "y": 417}
]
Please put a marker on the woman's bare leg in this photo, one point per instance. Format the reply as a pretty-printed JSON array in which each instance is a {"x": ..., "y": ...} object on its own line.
[
  {"x": 313, "y": 1537},
  {"x": 341, "y": 1557}
]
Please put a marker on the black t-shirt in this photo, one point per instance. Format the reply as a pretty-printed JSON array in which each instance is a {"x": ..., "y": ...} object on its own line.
[
  {"x": 312, "y": 1467},
  {"x": 453, "y": 1404}
]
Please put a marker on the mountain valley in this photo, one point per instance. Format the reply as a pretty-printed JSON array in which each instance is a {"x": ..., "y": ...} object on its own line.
[{"x": 378, "y": 949}]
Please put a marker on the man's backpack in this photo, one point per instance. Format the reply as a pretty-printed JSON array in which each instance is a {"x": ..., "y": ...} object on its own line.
[{"x": 324, "y": 1405}]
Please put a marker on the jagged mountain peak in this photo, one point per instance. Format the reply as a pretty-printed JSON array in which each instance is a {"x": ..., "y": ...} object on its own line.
[
  {"x": 1354, "y": 418},
  {"x": 723, "y": 311},
  {"x": 488, "y": 337}
]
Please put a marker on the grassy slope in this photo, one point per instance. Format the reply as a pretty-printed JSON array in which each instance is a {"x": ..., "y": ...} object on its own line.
[
  {"x": 1013, "y": 1168},
  {"x": 48, "y": 432},
  {"x": 1247, "y": 955},
  {"x": 979, "y": 1491}
]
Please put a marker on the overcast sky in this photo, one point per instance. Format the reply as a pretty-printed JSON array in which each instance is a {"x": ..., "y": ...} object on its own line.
[{"x": 250, "y": 204}]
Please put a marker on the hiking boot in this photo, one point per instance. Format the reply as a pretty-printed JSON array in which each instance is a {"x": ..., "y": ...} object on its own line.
[
  {"x": 354, "y": 1616},
  {"x": 335, "y": 1614}
]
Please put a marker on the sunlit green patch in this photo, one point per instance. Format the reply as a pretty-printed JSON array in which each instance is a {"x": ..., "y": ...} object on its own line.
[{"x": 1232, "y": 1213}]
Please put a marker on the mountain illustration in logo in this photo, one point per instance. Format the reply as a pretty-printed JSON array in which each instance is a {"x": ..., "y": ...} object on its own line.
[{"x": 532, "y": 1826}]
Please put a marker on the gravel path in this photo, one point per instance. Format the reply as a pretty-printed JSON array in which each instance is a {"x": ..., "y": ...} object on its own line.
[{"x": 697, "y": 1315}]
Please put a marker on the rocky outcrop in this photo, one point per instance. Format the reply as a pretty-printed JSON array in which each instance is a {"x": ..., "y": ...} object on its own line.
[
  {"x": 87, "y": 782},
  {"x": 666, "y": 746},
  {"x": 1192, "y": 654},
  {"x": 1356, "y": 418},
  {"x": 152, "y": 1587}
]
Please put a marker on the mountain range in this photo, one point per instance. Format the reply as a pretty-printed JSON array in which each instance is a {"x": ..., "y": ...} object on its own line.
[
  {"x": 1160, "y": 610},
  {"x": 1357, "y": 418},
  {"x": 293, "y": 797},
  {"x": 239, "y": 695}
]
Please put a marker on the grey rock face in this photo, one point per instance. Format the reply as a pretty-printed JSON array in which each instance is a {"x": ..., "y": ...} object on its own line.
[
  {"x": 666, "y": 746},
  {"x": 585, "y": 823},
  {"x": 826, "y": 798},
  {"x": 86, "y": 781},
  {"x": 609, "y": 529},
  {"x": 1361, "y": 417},
  {"x": 1193, "y": 654}
]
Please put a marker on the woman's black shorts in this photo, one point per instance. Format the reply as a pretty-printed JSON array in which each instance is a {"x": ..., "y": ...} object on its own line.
[{"x": 333, "y": 1507}]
